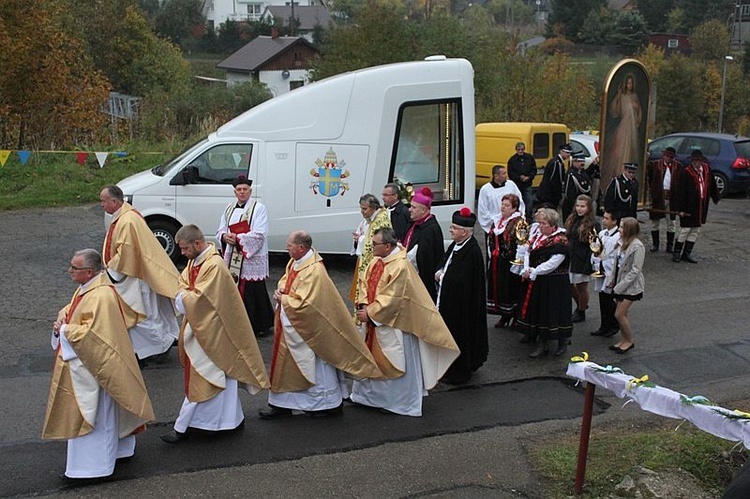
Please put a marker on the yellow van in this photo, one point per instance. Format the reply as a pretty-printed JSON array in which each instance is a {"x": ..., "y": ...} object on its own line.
[{"x": 496, "y": 143}]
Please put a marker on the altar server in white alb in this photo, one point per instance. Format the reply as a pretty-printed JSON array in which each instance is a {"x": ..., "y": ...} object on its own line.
[
  {"x": 243, "y": 229},
  {"x": 97, "y": 397}
]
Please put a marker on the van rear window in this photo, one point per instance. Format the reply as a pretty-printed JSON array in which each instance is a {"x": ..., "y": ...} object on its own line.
[{"x": 541, "y": 145}]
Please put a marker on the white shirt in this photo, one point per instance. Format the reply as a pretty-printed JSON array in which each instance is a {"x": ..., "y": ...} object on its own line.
[{"x": 490, "y": 198}]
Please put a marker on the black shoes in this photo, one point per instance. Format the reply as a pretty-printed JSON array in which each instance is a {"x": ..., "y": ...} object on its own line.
[
  {"x": 327, "y": 413},
  {"x": 275, "y": 413},
  {"x": 605, "y": 332},
  {"x": 578, "y": 316},
  {"x": 621, "y": 351},
  {"x": 173, "y": 437}
]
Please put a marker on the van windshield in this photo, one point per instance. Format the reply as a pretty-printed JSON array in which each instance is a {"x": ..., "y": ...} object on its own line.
[{"x": 163, "y": 169}]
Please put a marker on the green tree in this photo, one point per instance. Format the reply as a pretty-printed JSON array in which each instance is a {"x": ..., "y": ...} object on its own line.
[
  {"x": 677, "y": 21},
  {"x": 177, "y": 19},
  {"x": 510, "y": 12},
  {"x": 566, "y": 16},
  {"x": 597, "y": 27},
  {"x": 710, "y": 41},
  {"x": 653, "y": 13},
  {"x": 700, "y": 11},
  {"x": 679, "y": 95},
  {"x": 629, "y": 32},
  {"x": 50, "y": 93}
]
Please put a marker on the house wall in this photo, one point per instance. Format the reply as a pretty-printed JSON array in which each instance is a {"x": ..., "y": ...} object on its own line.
[
  {"x": 273, "y": 79},
  {"x": 219, "y": 11},
  {"x": 296, "y": 57}
]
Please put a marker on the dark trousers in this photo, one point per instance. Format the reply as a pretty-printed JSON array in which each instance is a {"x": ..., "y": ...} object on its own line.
[
  {"x": 607, "y": 307},
  {"x": 257, "y": 305},
  {"x": 528, "y": 201}
]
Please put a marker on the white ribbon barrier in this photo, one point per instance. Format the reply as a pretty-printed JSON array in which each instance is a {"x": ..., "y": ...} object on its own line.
[{"x": 718, "y": 421}]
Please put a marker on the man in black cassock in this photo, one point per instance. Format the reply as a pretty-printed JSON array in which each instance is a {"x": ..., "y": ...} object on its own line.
[
  {"x": 397, "y": 210},
  {"x": 462, "y": 297}
]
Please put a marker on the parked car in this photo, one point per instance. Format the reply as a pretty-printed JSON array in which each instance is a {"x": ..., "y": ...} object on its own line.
[
  {"x": 728, "y": 155},
  {"x": 587, "y": 143}
]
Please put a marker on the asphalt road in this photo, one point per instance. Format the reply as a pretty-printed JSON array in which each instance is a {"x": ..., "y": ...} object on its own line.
[{"x": 690, "y": 330}]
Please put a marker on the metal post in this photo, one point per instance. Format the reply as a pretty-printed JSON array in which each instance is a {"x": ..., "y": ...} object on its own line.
[
  {"x": 723, "y": 90},
  {"x": 583, "y": 446}
]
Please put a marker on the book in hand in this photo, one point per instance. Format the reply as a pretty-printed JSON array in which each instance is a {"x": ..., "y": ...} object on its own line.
[{"x": 240, "y": 227}]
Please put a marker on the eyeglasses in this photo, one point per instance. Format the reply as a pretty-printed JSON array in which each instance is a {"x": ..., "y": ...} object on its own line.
[{"x": 75, "y": 269}]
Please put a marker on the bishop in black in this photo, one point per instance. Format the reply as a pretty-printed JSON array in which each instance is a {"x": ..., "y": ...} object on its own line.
[{"x": 462, "y": 297}]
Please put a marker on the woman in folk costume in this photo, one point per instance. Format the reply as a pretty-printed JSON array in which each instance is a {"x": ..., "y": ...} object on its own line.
[
  {"x": 503, "y": 286},
  {"x": 544, "y": 312},
  {"x": 579, "y": 227},
  {"x": 373, "y": 217}
]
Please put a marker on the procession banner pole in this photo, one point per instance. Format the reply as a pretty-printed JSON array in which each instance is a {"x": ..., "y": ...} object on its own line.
[{"x": 583, "y": 446}]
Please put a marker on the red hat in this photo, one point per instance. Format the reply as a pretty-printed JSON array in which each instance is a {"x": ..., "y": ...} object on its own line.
[
  {"x": 464, "y": 217},
  {"x": 424, "y": 197}
]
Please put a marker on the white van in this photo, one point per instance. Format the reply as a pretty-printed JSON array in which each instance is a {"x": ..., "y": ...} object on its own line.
[{"x": 313, "y": 152}]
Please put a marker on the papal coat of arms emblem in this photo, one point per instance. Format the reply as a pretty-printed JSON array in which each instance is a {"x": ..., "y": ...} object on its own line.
[{"x": 329, "y": 174}]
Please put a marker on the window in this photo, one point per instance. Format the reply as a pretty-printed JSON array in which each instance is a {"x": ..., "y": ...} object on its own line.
[
  {"x": 558, "y": 139},
  {"x": 429, "y": 151},
  {"x": 709, "y": 147},
  {"x": 220, "y": 164},
  {"x": 657, "y": 146},
  {"x": 254, "y": 10},
  {"x": 673, "y": 43},
  {"x": 745, "y": 10},
  {"x": 578, "y": 148},
  {"x": 541, "y": 145}
]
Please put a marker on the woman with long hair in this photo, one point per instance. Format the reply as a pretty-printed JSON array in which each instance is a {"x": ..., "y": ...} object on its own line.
[
  {"x": 579, "y": 227},
  {"x": 627, "y": 280}
]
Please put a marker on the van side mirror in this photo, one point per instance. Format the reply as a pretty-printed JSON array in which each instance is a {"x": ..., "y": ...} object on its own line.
[{"x": 187, "y": 176}]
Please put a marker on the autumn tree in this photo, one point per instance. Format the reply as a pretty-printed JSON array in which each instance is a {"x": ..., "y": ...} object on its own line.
[
  {"x": 122, "y": 44},
  {"x": 710, "y": 41},
  {"x": 50, "y": 93}
]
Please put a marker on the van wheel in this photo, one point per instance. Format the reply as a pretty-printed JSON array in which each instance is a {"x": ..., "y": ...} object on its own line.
[
  {"x": 721, "y": 183},
  {"x": 164, "y": 232}
]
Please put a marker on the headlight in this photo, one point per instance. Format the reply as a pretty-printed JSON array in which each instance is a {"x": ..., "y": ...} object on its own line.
[{"x": 128, "y": 198}]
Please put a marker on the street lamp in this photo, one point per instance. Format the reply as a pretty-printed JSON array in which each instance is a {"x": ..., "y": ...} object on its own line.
[{"x": 723, "y": 89}]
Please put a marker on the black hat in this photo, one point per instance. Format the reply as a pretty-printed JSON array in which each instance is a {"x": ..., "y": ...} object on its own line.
[
  {"x": 579, "y": 157},
  {"x": 464, "y": 217},
  {"x": 631, "y": 166},
  {"x": 669, "y": 151},
  {"x": 241, "y": 179},
  {"x": 696, "y": 154},
  {"x": 566, "y": 148}
]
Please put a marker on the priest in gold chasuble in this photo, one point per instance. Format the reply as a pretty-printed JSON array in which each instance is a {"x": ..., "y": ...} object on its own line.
[
  {"x": 217, "y": 347},
  {"x": 315, "y": 340},
  {"x": 144, "y": 276},
  {"x": 404, "y": 331},
  {"x": 97, "y": 398}
]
